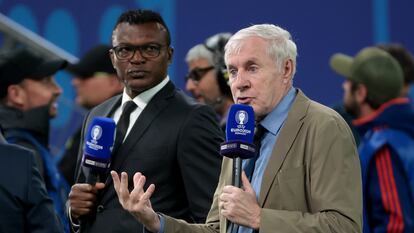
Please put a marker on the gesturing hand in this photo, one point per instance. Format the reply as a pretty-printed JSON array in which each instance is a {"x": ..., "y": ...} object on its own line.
[
  {"x": 240, "y": 205},
  {"x": 137, "y": 202}
]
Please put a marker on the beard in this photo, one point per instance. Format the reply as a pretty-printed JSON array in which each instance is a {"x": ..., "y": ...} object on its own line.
[{"x": 352, "y": 108}]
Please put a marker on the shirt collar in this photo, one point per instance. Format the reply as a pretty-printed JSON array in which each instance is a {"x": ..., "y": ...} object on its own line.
[
  {"x": 145, "y": 97},
  {"x": 274, "y": 120}
]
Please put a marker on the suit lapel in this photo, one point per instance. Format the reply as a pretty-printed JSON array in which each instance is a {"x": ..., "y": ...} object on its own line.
[
  {"x": 147, "y": 116},
  {"x": 283, "y": 144}
]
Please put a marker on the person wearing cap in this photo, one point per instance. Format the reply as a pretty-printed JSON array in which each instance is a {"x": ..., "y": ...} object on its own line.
[
  {"x": 207, "y": 79},
  {"x": 373, "y": 83},
  {"x": 28, "y": 95},
  {"x": 95, "y": 81}
]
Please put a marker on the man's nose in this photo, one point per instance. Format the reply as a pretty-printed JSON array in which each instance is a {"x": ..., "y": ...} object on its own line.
[
  {"x": 241, "y": 82},
  {"x": 190, "y": 85},
  {"x": 137, "y": 57}
]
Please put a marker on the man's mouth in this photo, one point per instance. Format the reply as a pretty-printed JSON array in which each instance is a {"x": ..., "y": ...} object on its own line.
[
  {"x": 244, "y": 100},
  {"x": 137, "y": 73}
]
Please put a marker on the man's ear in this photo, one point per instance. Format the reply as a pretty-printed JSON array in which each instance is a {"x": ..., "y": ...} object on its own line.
[
  {"x": 287, "y": 70},
  {"x": 15, "y": 96},
  {"x": 170, "y": 53}
]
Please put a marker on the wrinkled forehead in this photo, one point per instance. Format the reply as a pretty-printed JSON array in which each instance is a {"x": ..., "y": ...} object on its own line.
[{"x": 252, "y": 46}]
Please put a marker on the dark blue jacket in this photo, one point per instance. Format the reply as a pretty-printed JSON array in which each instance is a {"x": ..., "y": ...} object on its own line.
[
  {"x": 24, "y": 204},
  {"x": 387, "y": 163}
]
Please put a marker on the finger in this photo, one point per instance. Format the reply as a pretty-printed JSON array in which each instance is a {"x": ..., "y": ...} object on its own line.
[
  {"x": 99, "y": 186},
  {"x": 75, "y": 195},
  {"x": 138, "y": 184},
  {"x": 115, "y": 178},
  {"x": 123, "y": 187},
  {"x": 224, "y": 197},
  {"x": 82, "y": 187},
  {"x": 147, "y": 195},
  {"x": 246, "y": 184},
  {"x": 82, "y": 204},
  {"x": 229, "y": 189},
  {"x": 221, "y": 204},
  {"x": 137, "y": 192},
  {"x": 77, "y": 212},
  {"x": 136, "y": 178}
]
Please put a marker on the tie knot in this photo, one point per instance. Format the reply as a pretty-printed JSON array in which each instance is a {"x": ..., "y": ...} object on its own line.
[
  {"x": 259, "y": 131},
  {"x": 129, "y": 107}
]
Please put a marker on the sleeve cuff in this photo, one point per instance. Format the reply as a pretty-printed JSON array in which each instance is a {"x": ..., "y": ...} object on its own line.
[
  {"x": 162, "y": 223},
  {"x": 74, "y": 224}
]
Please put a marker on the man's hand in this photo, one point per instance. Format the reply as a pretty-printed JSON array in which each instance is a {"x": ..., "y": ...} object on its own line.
[
  {"x": 240, "y": 206},
  {"x": 137, "y": 202},
  {"x": 82, "y": 198}
]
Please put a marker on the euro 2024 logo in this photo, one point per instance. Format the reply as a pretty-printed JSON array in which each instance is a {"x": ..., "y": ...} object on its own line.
[
  {"x": 96, "y": 133},
  {"x": 242, "y": 117}
]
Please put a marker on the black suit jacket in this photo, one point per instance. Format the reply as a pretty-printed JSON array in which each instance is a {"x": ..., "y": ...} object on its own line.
[
  {"x": 24, "y": 204},
  {"x": 175, "y": 144}
]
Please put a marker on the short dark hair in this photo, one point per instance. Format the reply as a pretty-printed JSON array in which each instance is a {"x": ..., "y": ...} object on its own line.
[
  {"x": 137, "y": 17},
  {"x": 404, "y": 58}
]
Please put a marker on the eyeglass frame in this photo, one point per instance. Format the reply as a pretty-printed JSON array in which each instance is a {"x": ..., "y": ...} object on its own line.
[
  {"x": 197, "y": 74},
  {"x": 140, "y": 48}
]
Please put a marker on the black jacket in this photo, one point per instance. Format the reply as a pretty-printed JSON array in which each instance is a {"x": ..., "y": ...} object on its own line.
[{"x": 175, "y": 144}]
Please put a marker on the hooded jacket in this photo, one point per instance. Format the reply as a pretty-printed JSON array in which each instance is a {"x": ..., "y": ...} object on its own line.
[{"x": 387, "y": 161}]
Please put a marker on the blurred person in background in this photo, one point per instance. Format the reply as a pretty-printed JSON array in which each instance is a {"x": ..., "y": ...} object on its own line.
[
  {"x": 24, "y": 203},
  {"x": 207, "y": 79},
  {"x": 405, "y": 59},
  {"x": 95, "y": 81},
  {"x": 28, "y": 96},
  {"x": 384, "y": 122}
]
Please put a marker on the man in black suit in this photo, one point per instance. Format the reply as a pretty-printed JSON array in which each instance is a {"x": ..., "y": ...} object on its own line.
[
  {"x": 170, "y": 138},
  {"x": 24, "y": 204}
]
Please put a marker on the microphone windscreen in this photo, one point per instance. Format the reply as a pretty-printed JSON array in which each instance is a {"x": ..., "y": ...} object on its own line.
[
  {"x": 240, "y": 123},
  {"x": 99, "y": 142}
]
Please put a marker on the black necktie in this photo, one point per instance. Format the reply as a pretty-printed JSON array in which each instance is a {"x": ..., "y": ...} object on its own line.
[
  {"x": 122, "y": 125},
  {"x": 257, "y": 141}
]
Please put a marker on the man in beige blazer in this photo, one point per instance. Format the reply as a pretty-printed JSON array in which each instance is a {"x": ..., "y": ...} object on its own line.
[{"x": 307, "y": 177}]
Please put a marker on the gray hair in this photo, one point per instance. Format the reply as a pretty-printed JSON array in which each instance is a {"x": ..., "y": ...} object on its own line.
[
  {"x": 280, "y": 44},
  {"x": 199, "y": 52}
]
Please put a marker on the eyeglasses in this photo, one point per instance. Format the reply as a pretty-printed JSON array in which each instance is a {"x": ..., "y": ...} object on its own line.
[
  {"x": 127, "y": 52},
  {"x": 198, "y": 73}
]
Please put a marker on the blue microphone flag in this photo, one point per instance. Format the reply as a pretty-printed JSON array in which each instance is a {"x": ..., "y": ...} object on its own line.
[
  {"x": 239, "y": 132},
  {"x": 99, "y": 141},
  {"x": 240, "y": 123}
]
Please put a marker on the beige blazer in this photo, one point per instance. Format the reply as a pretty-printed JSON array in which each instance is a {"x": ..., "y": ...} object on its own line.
[{"x": 312, "y": 182}]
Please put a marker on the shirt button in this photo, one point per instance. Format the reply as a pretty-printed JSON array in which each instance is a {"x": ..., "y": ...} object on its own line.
[{"x": 100, "y": 208}]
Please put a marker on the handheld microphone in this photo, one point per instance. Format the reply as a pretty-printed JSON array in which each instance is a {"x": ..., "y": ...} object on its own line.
[
  {"x": 239, "y": 142},
  {"x": 99, "y": 142}
]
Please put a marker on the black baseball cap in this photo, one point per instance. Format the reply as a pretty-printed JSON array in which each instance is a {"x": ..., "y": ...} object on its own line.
[
  {"x": 96, "y": 60},
  {"x": 21, "y": 63}
]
